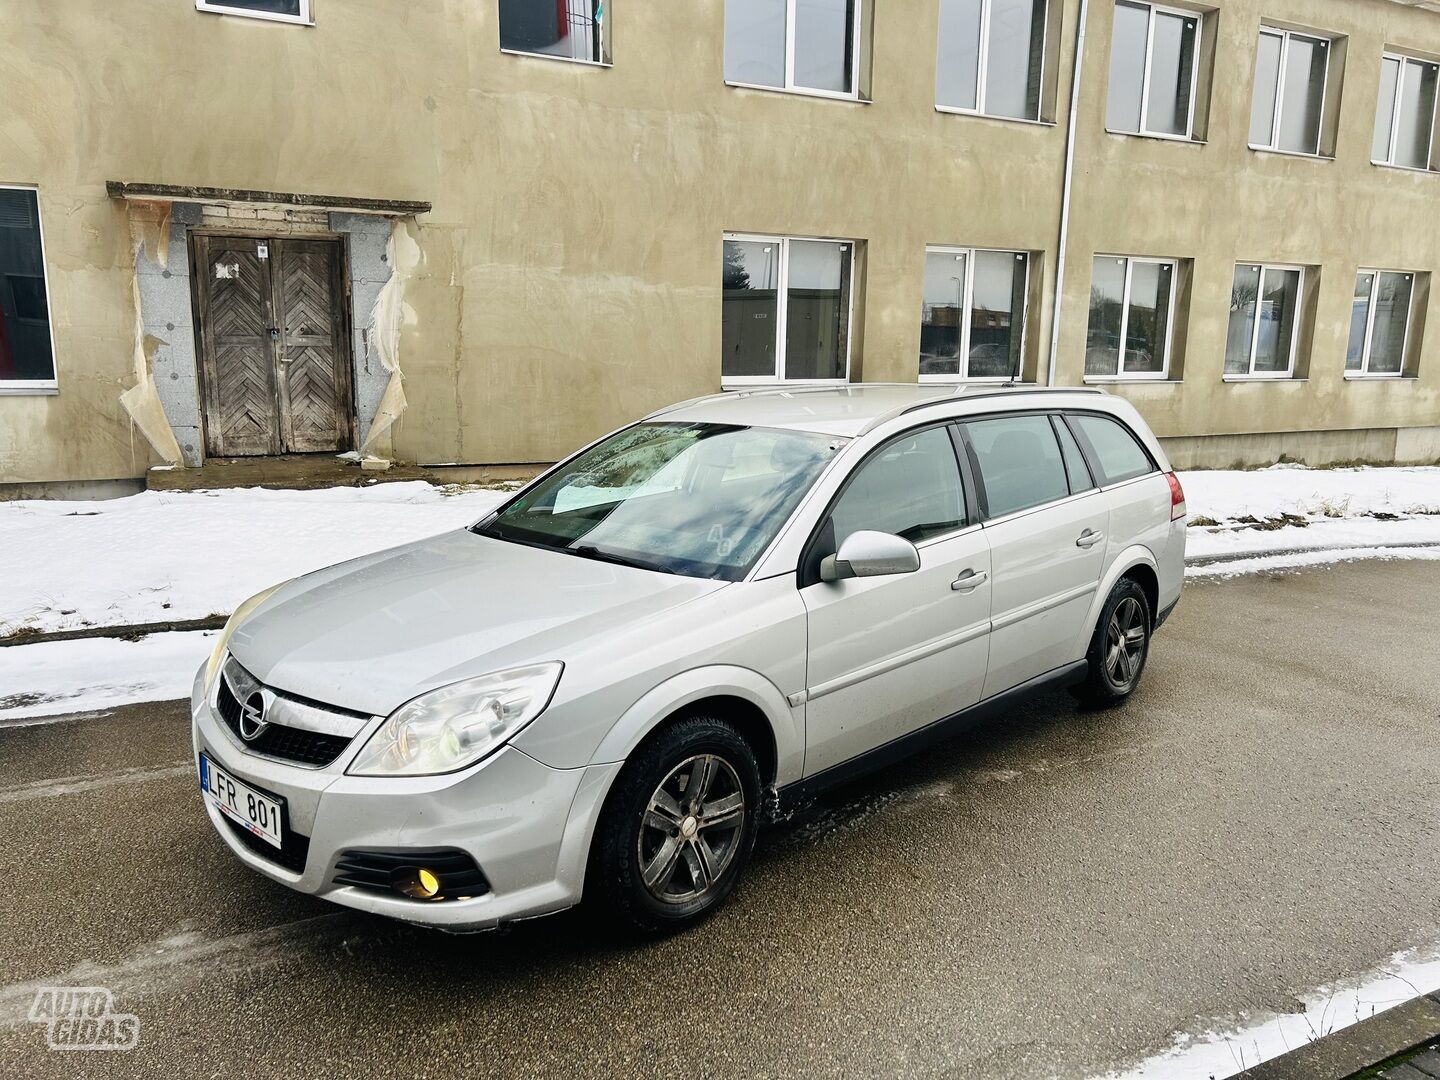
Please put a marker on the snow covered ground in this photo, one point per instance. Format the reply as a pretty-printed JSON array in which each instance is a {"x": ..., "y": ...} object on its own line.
[{"x": 162, "y": 556}]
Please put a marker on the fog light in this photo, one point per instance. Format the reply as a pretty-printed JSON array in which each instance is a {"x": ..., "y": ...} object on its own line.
[{"x": 414, "y": 881}]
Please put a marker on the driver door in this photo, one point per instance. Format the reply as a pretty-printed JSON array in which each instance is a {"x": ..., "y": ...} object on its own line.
[{"x": 889, "y": 655}]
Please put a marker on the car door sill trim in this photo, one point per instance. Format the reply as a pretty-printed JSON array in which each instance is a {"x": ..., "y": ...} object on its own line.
[
  {"x": 797, "y": 793},
  {"x": 930, "y": 648},
  {"x": 1048, "y": 604}
]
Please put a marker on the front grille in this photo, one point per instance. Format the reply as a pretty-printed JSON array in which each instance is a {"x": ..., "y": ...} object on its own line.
[
  {"x": 375, "y": 871},
  {"x": 312, "y": 748},
  {"x": 291, "y": 856}
]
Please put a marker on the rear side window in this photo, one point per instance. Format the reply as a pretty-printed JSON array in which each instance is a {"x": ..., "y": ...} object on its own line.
[
  {"x": 1020, "y": 462},
  {"x": 910, "y": 488},
  {"x": 1114, "y": 449}
]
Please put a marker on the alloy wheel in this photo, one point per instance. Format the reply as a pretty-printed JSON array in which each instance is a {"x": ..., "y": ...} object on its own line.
[
  {"x": 1125, "y": 643},
  {"x": 691, "y": 830}
]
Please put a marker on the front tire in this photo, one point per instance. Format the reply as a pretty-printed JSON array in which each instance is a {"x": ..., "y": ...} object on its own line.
[
  {"x": 678, "y": 827},
  {"x": 1118, "y": 648}
]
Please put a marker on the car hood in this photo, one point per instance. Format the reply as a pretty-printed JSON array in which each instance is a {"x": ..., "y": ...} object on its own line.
[{"x": 370, "y": 634}]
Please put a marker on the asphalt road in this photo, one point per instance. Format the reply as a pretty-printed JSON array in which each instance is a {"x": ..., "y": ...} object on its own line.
[{"x": 1055, "y": 894}]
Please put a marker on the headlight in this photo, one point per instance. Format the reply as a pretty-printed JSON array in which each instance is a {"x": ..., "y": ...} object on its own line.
[
  {"x": 457, "y": 725},
  {"x": 212, "y": 666}
]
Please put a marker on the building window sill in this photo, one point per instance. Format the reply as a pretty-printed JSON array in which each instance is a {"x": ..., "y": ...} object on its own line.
[
  {"x": 955, "y": 110},
  {"x": 973, "y": 380},
  {"x": 562, "y": 59},
  {"x": 27, "y": 388},
  {"x": 263, "y": 16},
  {"x": 1402, "y": 168},
  {"x": 800, "y": 91},
  {"x": 1190, "y": 139},
  {"x": 727, "y": 385},
  {"x": 1111, "y": 380},
  {"x": 1379, "y": 376},
  {"x": 1275, "y": 151},
  {"x": 1277, "y": 378}
]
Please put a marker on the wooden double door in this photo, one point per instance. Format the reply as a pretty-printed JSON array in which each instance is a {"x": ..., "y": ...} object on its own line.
[{"x": 273, "y": 333}]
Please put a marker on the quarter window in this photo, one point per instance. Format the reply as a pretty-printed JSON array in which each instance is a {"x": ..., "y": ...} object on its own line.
[
  {"x": 1153, "y": 70},
  {"x": 1379, "y": 322},
  {"x": 1405, "y": 112},
  {"x": 1020, "y": 462},
  {"x": 296, "y": 11},
  {"x": 809, "y": 45},
  {"x": 27, "y": 359},
  {"x": 1264, "y": 320},
  {"x": 1132, "y": 312},
  {"x": 972, "y": 318},
  {"x": 911, "y": 488},
  {"x": 991, "y": 57},
  {"x": 786, "y": 309},
  {"x": 1289, "y": 103},
  {"x": 1115, "y": 450},
  {"x": 568, "y": 29}
]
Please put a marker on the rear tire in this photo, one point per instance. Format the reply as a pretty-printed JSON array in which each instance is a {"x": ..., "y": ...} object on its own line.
[
  {"x": 677, "y": 828},
  {"x": 1118, "y": 648}
]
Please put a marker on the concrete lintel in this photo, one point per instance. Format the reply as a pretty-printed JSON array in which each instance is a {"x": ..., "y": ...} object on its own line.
[{"x": 118, "y": 189}]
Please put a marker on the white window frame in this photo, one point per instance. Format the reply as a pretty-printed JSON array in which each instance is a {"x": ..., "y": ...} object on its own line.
[
  {"x": 790, "y": 86},
  {"x": 23, "y": 387},
  {"x": 1405, "y": 62},
  {"x": 219, "y": 7},
  {"x": 602, "y": 41},
  {"x": 1328, "y": 44},
  {"x": 964, "y": 376},
  {"x": 1121, "y": 375},
  {"x": 1364, "y": 372},
  {"x": 1289, "y": 372},
  {"x": 1183, "y": 13},
  {"x": 983, "y": 69},
  {"x": 782, "y": 313}
]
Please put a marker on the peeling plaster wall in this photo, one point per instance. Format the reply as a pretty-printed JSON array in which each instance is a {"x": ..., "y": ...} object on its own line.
[
  {"x": 166, "y": 312},
  {"x": 367, "y": 237},
  {"x": 570, "y": 277}
]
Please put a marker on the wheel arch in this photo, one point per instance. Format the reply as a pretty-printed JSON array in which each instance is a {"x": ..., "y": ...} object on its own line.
[{"x": 1137, "y": 562}]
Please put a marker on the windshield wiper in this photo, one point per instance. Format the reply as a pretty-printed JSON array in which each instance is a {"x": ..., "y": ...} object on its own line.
[{"x": 590, "y": 551}]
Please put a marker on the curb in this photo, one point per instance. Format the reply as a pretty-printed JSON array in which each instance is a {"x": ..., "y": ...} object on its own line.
[
  {"x": 1241, "y": 556},
  {"x": 135, "y": 630},
  {"x": 1358, "y": 1046}
]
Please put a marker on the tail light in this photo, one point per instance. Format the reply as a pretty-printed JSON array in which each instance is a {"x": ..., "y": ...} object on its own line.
[{"x": 1177, "y": 497}]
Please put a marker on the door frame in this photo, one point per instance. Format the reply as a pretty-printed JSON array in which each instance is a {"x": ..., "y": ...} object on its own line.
[{"x": 344, "y": 339}]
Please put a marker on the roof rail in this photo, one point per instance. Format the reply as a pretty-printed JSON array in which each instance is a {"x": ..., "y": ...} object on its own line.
[
  {"x": 768, "y": 391},
  {"x": 970, "y": 393}
]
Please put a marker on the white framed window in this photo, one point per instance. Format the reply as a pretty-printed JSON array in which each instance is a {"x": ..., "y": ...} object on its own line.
[
  {"x": 1154, "y": 71},
  {"x": 990, "y": 58},
  {"x": 1288, "y": 107},
  {"x": 1264, "y": 331},
  {"x": 1405, "y": 112},
  {"x": 972, "y": 317},
  {"x": 803, "y": 46},
  {"x": 575, "y": 30},
  {"x": 787, "y": 310},
  {"x": 1132, "y": 318},
  {"x": 27, "y": 340},
  {"x": 290, "y": 11},
  {"x": 1380, "y": 323}
]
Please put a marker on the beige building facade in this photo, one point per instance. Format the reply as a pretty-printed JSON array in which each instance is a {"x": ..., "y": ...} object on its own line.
[{"x": 487, "y": 231}]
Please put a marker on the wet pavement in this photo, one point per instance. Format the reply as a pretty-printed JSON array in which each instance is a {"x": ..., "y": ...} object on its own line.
[{"x": 1055, "y": 894}]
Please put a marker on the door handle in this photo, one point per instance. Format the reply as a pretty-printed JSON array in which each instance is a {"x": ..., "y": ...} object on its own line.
[
  {"x": 1089, "y": 538},
  {"x": 970, "y": 579}
]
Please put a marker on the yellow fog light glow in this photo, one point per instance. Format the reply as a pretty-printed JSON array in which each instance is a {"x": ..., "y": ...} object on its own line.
[{"x": 417, "y": 882}]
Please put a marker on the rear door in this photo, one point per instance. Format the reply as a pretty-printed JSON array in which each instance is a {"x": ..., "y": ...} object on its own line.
[
  {"x": 1046, "y": 525},
  {"x": 1136, "y": 491},
  {"x": 888, "y": 655}
]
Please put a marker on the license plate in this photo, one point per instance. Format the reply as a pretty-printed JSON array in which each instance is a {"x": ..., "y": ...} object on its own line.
[{"x": 240, "y": 802}]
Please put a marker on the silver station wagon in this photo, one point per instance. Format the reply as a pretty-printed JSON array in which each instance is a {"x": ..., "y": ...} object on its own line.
[{"x": 606, "y": 686}]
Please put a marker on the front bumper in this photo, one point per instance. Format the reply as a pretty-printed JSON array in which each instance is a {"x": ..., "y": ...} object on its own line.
[{"x": 527, "y": 825}]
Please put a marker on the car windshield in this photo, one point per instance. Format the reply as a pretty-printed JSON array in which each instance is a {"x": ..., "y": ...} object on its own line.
[{"x": 703, "y": 500}]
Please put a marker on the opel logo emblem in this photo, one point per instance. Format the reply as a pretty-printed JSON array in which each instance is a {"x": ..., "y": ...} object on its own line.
[{"x": 252, "y": 717}]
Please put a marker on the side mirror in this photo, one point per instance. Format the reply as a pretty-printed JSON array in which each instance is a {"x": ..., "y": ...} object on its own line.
[{"x": 870, "y": 554}]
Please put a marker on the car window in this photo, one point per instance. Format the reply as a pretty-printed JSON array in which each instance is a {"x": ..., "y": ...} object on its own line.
[
  {"x": 1075, "y": 467},
  {"x": 1020, "y": 463},
  {"x": 1118, "y": 454},
  {"x": 910, "y": 488}
]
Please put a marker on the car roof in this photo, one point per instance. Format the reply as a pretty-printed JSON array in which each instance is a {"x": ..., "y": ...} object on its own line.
[{"x": 846, "y": 411}]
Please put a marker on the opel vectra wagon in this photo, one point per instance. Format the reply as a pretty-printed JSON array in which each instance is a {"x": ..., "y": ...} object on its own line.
[{"x": 604, "y": 687}]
